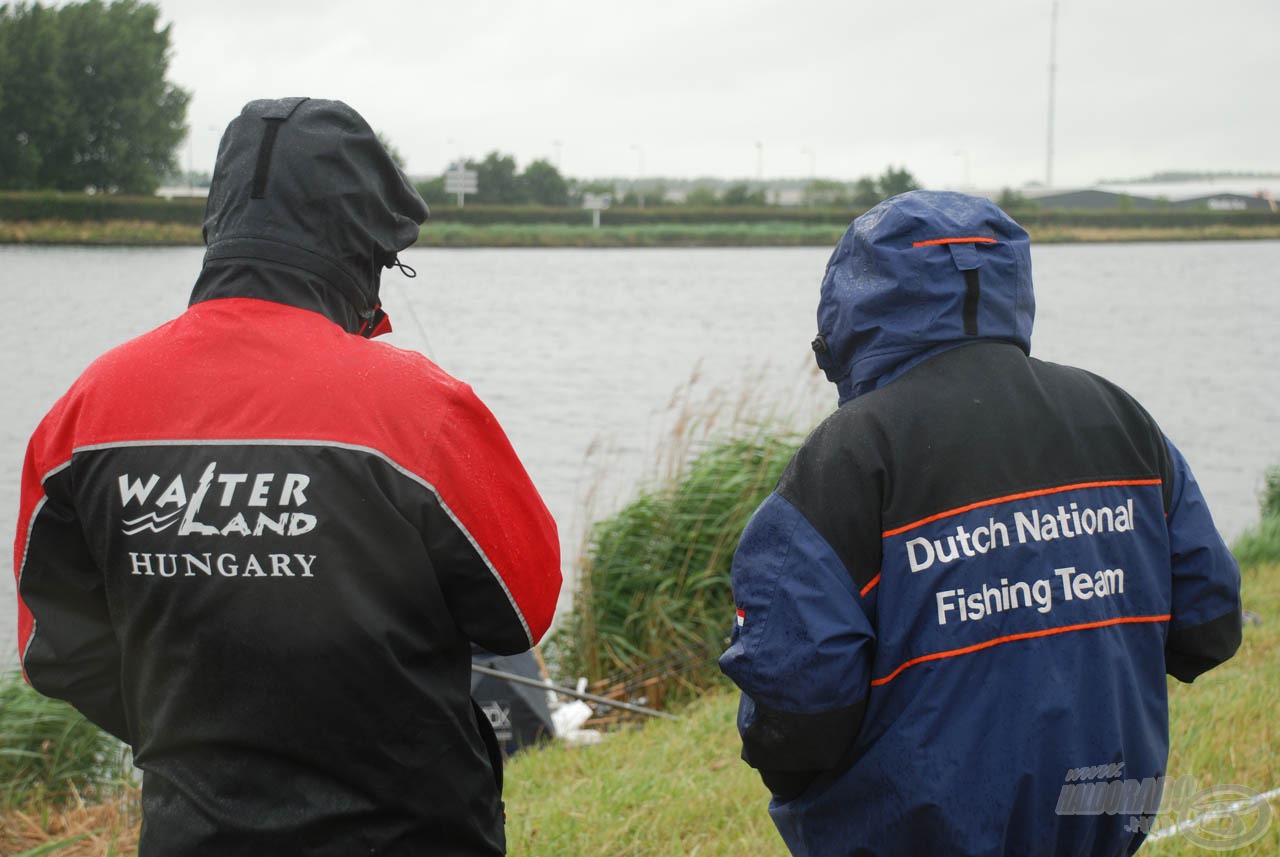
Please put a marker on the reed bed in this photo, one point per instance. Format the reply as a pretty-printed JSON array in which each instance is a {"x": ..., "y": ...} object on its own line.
[
  {"x": 49, "y": 749},
  {"x": 653, "y": 577}
]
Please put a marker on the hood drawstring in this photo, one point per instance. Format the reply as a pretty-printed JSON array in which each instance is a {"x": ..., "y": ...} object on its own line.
[
  {"x": 409, "y": 272},
  {"x": 378, "y": 323}
]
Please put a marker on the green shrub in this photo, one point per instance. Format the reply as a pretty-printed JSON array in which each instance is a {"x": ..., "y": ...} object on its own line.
[
  {"x": 1261, "y": 544},
  {"x": 49, "y": 751},
  {"x": 654, "y": 580},
  {"x": 1271, "y": 493}
]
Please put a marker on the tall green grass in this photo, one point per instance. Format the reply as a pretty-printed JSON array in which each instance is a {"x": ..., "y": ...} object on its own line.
[
  {"x": 50, "y": 752},
  {"x": 655, "y": 576},
  {"x": 652, "y": 590},
  {"x": 1261, "y": 544}
]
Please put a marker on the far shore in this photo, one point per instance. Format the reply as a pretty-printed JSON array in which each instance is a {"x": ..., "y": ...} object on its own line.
[{"x": 134, "y": 233}]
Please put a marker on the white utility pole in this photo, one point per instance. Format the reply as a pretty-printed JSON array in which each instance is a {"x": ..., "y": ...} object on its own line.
[
  {"x": 639, "y": 171},
  {"x": 1053, "y": 73}
]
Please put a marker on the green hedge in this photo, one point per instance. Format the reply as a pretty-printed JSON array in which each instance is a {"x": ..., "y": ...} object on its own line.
[
  {"x": 25, "y": 206},
  {"x": 79, "y": 207}
]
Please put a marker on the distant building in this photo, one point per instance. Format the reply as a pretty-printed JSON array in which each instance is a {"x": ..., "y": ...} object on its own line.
[
  {"x": 183, "y": 191},
  {"x": 1097, "y": 199},
  {"x": 1227, "y": 202},
  {"x": 1092, "y": 200}
]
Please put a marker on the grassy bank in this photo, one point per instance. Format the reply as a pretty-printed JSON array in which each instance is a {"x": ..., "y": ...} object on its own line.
[
  {"x": 124, "y": 233},
  {"x": 63, "y": 783},
  {"x": 763, "y": 234},
  {"x": 679, "y": 788}
]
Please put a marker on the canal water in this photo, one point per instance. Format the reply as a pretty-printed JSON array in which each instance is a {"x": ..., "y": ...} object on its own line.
[{"x": 589, "y": 358}]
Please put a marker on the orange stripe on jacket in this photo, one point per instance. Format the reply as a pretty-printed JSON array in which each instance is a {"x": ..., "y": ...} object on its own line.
[
  {"x": 871, "y": 584},
  {"x": 1045, "y": 632},
  {"x": 977, "y": 239},
  {"x": 1117, "y": 483}
]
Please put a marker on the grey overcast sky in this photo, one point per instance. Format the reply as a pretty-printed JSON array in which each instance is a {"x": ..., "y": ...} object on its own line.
[{"x": 703, "y": 87}]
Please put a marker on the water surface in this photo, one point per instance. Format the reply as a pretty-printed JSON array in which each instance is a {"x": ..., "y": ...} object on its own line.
[{"x": 578, "y": 351}]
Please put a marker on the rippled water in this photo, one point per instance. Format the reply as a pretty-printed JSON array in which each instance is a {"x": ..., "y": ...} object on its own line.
[{"x": 581, "y": 350}]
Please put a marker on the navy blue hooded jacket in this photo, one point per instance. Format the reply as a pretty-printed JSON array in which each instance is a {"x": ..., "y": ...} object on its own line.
[{"x": 973, "y": 577}]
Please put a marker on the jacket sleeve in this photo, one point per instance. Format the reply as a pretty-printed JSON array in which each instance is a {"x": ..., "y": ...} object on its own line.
[
  {"x": 1205, "y": 621},
  {"x": 801, "y": 649},
  {"x": 66, "y": 641},
  {"x": 492, "y": 541}
]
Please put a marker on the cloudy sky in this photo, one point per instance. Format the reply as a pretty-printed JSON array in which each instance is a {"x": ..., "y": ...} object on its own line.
[{"x": 955, "y": 92}]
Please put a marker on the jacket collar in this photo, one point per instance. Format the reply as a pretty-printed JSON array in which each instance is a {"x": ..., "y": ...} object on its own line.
[{"x": 278, "y": 283}]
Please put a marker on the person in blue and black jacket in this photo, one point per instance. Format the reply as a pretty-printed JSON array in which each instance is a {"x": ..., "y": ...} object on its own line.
[{"x": 973, "y": 577}]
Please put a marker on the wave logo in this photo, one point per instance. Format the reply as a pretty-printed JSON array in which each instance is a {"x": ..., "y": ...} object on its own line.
[
  {"x": 152, "y": 521},
  {"x": 219, "y": 504}
]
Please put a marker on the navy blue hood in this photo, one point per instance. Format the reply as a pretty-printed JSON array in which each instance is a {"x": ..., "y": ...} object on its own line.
[
  {"x": 919, "y": 274},
  {"x": 304, "y": 185}
]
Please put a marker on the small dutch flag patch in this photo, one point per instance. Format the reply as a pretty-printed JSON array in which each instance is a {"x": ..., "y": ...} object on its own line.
[{"x": 742, "y": 618}]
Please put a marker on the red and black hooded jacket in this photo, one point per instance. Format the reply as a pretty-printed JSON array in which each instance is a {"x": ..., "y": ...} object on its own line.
[{"x": 258, "y": 546}]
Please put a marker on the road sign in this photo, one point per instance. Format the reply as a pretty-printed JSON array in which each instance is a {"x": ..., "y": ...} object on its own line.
[
  {"x": 596, "y": 202},
  {"x": 461, "y": 181}
]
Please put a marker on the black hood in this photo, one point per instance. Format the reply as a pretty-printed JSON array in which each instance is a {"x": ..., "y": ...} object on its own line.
[{"x": 305, "y": 184}]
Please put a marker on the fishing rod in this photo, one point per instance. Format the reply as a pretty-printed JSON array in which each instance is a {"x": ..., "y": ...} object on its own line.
[{"x": 577, "y": 694}]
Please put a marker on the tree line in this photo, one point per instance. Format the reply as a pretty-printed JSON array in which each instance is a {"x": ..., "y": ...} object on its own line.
[
  {"x": 84, "y": 104},
  {"x": 501, "y": 182}
]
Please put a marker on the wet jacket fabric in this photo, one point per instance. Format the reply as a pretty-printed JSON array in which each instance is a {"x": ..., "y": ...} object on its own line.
[
  {"x": 974, "y": 576},
  {"x": 258, "y": 547}
]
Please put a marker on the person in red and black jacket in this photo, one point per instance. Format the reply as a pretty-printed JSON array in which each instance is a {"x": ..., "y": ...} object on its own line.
[{"x": 257, "y": 546}]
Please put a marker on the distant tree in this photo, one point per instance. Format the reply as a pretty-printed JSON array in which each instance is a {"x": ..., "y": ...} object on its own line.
[
  {"x": 579, "y": 188},
  {"x": 865, "y": 193},
  {"x": 192, "y": 178},
  {"x": 391, "y": 149},
  {"x": 825, "y": 192},
  {"x": 498, "y": 180},
  {"x": 701, "y": 197},
  {"x": 650, "y": 194},
  {"x": 33, "y": 98},
  {"x": 896, "y": 181},
  {"x": 740, "y": 194},
  {"x": 83, "y": 98},
  {"x": 1012, "y": 200},
  {"x": 543, "y": 184},
  {"x": 432, "y": 191}
]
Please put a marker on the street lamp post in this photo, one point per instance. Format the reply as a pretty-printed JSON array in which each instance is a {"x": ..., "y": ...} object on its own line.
[
  {"x": 639, "y": 172},
  {"x": 1053, "y": 73}
]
